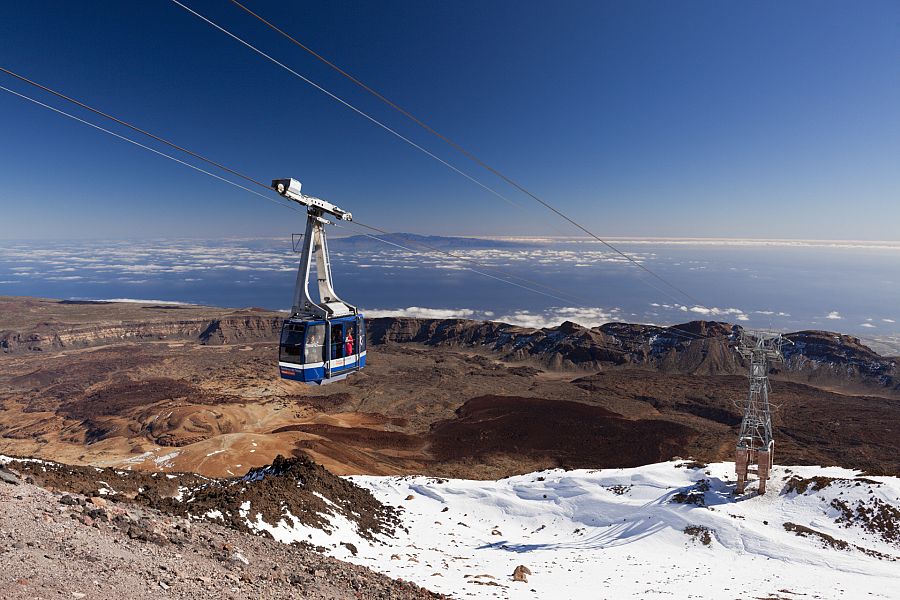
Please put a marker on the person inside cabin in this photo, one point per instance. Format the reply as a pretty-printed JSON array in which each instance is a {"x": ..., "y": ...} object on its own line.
[
  {"x": 348, "y": 344},
  {"x": 312, "y": 345},
  {"x": 337, "y": 348}
]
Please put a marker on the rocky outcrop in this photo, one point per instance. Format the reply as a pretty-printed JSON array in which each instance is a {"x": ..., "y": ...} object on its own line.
[
  {"x": 296, "y": 485},
  {"x": 225, "y": 330},
  {"x": 241, "y": 329},
  {"x": 109, "y": 546},
  {"x": 698, "y": 347},
  {"x": 824, "y": 356}
]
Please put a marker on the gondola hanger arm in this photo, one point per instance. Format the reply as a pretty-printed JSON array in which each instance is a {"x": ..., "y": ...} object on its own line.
[{"x": 290, "y": 189}]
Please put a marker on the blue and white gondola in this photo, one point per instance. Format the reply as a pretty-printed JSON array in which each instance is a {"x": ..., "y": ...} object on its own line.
[
  {"x": 324, "y": 339},
  {"x": 315, "y": 351}
]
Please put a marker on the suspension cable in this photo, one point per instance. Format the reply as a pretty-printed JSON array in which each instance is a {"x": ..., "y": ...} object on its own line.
[
  {"x": 140, "y": 145},
  {"x": 259, "y": 183},
  {"x": 272, "y": 199},
  {"x": 672, "y": 329},
  {"x": 402, "y": 247},
  {"x": 130, "y": 126},
  {"x": 433, "y": 248},
  {"x": 436, "y": 133},
  {"x": 353, "y": 108}
]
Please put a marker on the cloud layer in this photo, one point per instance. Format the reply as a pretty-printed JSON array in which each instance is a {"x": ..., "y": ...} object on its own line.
[
  {"x": 433, "y": 285},
  {"x": 551, "y": 317},
  {"x": 419, "y": 312}
]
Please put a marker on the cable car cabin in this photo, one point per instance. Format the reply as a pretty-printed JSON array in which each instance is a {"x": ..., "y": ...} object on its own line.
[
  {"x": 324, "y": 340},
  {"x": 322, "y": 351}
]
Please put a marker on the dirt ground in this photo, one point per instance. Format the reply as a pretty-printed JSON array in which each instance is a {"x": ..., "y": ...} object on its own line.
[
  {"x": 159, "y": 389},
  {"x": 52, "y": 547}
]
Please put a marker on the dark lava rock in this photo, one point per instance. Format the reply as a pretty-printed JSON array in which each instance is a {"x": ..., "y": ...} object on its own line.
[
  {"x": 8, "y": 477},
  {"x": 295, "y": 484},
  {"x": 595, "y": 437}
]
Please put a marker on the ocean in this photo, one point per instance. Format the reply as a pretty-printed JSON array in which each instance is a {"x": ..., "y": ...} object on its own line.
[{"x": 851, "y": 287}]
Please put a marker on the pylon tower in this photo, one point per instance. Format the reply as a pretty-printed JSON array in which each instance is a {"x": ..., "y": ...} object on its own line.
[{"x": 756, "y": 445}]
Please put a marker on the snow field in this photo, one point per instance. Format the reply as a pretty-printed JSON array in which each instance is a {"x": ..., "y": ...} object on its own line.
[
  {"x": 620, "y": 533},
  {"x": 616, "y": 533}
]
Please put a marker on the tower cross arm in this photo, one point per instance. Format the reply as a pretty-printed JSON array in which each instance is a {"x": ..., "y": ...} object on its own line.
[{"x": 290, "y": 189}]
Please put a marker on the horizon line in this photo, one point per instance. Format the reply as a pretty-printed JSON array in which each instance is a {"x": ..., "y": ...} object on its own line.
[{"x": 487, "y": 237}]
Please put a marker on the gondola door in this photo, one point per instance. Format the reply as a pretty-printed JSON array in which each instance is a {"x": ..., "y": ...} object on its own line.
[
  {"x": 314, "y": 352},
  {"x": 337, "y": 343}
]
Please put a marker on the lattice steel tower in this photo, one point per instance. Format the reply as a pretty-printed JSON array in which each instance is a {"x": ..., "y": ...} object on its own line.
[{"x": 756, "y": 444}]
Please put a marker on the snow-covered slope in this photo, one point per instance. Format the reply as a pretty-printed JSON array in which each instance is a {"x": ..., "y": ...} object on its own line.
[{"x": 669, "y": 530}]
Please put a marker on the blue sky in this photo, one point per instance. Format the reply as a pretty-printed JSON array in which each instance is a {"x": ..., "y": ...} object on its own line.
[{"x": 768, "y": 119}]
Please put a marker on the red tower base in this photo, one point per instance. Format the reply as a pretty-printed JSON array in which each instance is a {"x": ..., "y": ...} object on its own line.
[
  {"x": 741, "y": 465},
  {"x": 764, "y": 462},
  {"x": 745, "y": 458}
]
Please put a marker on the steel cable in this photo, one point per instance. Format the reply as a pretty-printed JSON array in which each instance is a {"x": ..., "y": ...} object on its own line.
[
  {"x": 268, "y": 198},
  {"x": 453, "y": 144},
  {"x": 249, "y": 179}
]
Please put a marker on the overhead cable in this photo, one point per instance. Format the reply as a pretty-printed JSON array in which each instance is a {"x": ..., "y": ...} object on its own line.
[
  {"x": 130, "y": 126},
  {"x": 402, "y": 247},
  {"x": 439, "y": 135},
  {"x": 140, "y": 145},
  {"x": 473, "y": 261},
  {"x": 259, "y": 183},
  {"x": 351, "y": 107},
  {"x": 250, "y": 179}
]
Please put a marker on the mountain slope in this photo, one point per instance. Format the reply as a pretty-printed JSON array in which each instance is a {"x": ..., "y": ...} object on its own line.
[
  {"x": 175, "y": 388},
  {"x": 697, "y": 348},
  {"x": 63, "y": 545},
  {"x": 658, "y": 531},
  {"x": 672, "y": 529}
]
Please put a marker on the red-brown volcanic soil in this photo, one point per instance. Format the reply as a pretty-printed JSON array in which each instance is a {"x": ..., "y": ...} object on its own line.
[
  {"x": 572, "y": 434},
  {"x": 360, "y": 436},
  {"x": 197, "y": 389},
  {"x": 812, "y": 425}
]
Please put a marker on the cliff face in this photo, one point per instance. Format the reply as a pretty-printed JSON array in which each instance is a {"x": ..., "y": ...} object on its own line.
[
  {"x": 240, "y": 329},
  {"x": 698, "y": 347},
  {"x": 825, "y": 355},
  {"x": 226, "y": 330}
]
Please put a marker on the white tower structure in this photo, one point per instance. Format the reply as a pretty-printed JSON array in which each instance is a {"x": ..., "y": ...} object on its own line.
[
  {"x": 315, "y": 244},
  {"x": 756, "y": 444}
]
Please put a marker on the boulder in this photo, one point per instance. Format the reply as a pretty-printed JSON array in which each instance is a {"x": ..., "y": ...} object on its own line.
[
  {"x": 8, "y": 477},
  {"x": 521, "y": 573}
]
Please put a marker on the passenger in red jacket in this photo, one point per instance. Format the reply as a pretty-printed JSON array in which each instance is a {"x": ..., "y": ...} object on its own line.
[{"x": 348, "y": 344}]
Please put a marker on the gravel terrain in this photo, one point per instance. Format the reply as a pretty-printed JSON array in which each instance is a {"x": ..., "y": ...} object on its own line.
[
  {"x": 162, "y": 388},
  {"x": 61, "y": 545},
  {"x": 307, "y": 490}
]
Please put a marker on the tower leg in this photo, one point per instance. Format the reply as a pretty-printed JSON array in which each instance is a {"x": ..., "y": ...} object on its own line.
[
  {"x": 765, "y": 462},
  {"x": 741, "y": 462}
]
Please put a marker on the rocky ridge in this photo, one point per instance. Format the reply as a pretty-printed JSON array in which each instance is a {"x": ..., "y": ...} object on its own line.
[
  {"x": 63, "y": 544},
  {"x": 227, "y": 330},
  {"x": 295, "y": 486},
  {"x": 697, "y": 347}
]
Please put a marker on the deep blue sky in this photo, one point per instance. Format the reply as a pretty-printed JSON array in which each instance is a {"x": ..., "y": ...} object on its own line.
[{"x": 765, "y": 119}]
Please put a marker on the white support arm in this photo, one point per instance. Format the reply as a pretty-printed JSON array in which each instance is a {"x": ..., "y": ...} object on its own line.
[{"x": 290, "y": 189}]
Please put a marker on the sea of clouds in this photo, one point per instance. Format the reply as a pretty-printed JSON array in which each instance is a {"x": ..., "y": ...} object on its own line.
[{"x": 526, "y": 282}]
